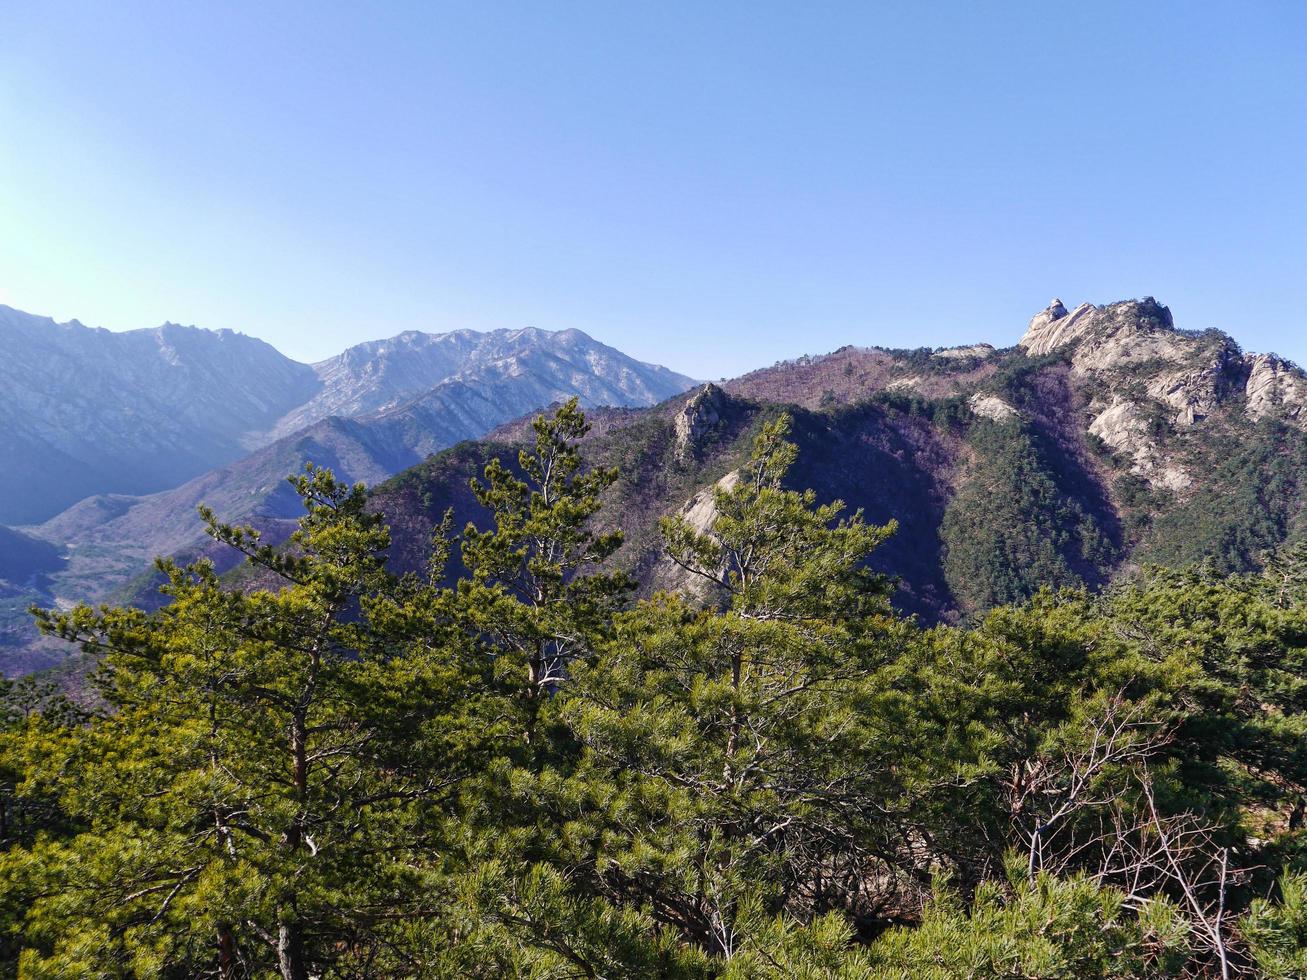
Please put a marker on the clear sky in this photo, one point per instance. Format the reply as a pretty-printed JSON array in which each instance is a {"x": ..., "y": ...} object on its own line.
[{"x": 713, "y": 186}]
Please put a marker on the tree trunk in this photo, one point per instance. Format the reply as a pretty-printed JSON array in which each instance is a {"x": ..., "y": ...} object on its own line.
[
  {"x": 290, "y": 952},
  {"x": 290, "y": 944},
  {"x": 226, "y": 953}
]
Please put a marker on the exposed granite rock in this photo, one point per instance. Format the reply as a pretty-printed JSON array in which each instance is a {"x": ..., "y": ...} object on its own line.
[
  {"x": 1197, "y": 391},
  {"x": 1124, "y": 427},
  {"x": 700, "y": 512},
  {"x": 1133, "y": 350},
  {"x": 972, "y": 350},
  {"x": 702, "y": 411},
  {"x": 1107, "y": 337},
  {"x": 1053, "y": 327},
  {"x": 1125, "y": 344},
  {"x": 1275, "y": 387},
  {"x": 991, "y": 407},
  {"x": 1192, "y": 373},
  {"x": 910, "y": 383},
  {"x": 1041, "y": 321}
]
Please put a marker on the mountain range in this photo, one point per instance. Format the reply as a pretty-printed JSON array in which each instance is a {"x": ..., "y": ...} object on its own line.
[
  {"x": 1105, "y": 440},
  {"x": 112, "y": 439},
  {"x": 86, "y": 411}
]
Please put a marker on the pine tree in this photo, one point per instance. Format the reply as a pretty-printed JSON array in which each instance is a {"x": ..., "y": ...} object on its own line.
[
  {"x": 535, "y": 596},
  {"x": 255, "y": 798},
  {"x": 734, "y": 741}
]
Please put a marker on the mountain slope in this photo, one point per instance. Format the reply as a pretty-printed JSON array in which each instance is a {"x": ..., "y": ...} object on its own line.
[
  {"x": 531, "y": 366},
  {"x": 110, "y": 539},
  {"x": 23, "y": 556},
  {"x": 85, "y": 411},
  {"x": 1106, "y": 439},
  {"x": 363, "y": 449},
  {"x": 1097, "y": 444}
]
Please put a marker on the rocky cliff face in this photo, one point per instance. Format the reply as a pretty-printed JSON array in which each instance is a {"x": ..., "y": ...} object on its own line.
[
  {"x": 701, "y": 413},
  {"x": 1275, "y": 387},
  {"x": 1139, "y": 364}
]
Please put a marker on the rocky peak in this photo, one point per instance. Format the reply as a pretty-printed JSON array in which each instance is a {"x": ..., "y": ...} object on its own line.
[
  {"x": 1118, "y": 324},
  {"x": 1128, "y": 344},
  {"x": 1137, "y": 358},
  {"x": 1054, "y": 311},
  {"x": 1053, "y": 327},
  {"x": 701, "y": 412}
]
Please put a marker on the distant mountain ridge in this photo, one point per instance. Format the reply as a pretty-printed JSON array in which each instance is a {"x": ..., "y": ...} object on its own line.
[
  {"x": 113, "y": 439},
  {"x": 88, "y": 411},
  {"x": 379, "y": 376},
  {"x": 84, "y": 410}
]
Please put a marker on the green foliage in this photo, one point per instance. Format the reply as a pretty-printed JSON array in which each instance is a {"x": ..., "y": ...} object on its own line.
[
  {"x": 1014, "y": 526},
  {"x": 321, "y": 768},
  {"x": 1285, "y": 576},
  {"x": 265, "y": 766},
  {"x": 1277, "y": 933},
  {"x": 528, "y": 597},
  {"x": 1046, "y": 928},
  {"x": 1246, "y": 505}
]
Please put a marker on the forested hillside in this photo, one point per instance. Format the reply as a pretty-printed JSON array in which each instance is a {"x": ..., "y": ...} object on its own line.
[
  {"x": 1072, "y": 460},
  {"x": 513, "y": 765}
]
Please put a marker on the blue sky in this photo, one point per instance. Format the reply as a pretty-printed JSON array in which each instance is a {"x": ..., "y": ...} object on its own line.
[{"x": 711, "y": 186}]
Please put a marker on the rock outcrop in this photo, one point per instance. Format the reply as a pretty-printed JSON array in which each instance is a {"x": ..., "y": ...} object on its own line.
[
  {"x": 1132, "y": 351},
  {"x": 971, "y": 350},
  {"x": 1053, "y": 327},
  {"x": 1131, "y": 332},
  {"x": 701, "y": 413},
  {"x": 1211, "y": 376},
  {"x": 991, "y": 407},
  {"x": 1124, "y": 427},
  {"x": 1275, "y": 387},
  {"x": 700, "y": 512}
]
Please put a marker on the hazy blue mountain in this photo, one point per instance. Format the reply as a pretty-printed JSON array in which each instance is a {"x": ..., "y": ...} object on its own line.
[
  {"x": 522, "y": 369},
  {"x": 197, "y": 416},
  {"x": 85, "y": 410}
]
